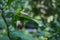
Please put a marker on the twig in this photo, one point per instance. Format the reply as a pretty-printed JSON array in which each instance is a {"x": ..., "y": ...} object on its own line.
[{"x": 8, "y": 33}]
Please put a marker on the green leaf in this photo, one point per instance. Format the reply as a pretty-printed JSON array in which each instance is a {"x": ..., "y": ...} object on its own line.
[{"x": 18, "y": 34}]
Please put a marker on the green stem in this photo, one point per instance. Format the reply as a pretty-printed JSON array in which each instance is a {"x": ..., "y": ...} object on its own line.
[{"x": 8, "y": 33}]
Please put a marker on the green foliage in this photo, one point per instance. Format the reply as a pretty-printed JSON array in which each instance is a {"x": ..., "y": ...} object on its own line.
[{"x": 44, "y": 14}]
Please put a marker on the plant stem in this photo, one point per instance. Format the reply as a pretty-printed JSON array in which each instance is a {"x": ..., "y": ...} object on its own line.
[{"x": 8, "y": 33}]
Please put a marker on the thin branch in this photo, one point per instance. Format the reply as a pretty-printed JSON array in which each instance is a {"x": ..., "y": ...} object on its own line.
[{"x": 8, "y": 33}]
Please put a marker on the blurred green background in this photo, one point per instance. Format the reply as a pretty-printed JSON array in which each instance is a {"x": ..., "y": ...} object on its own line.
[{"x": 29, "y": 19}]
